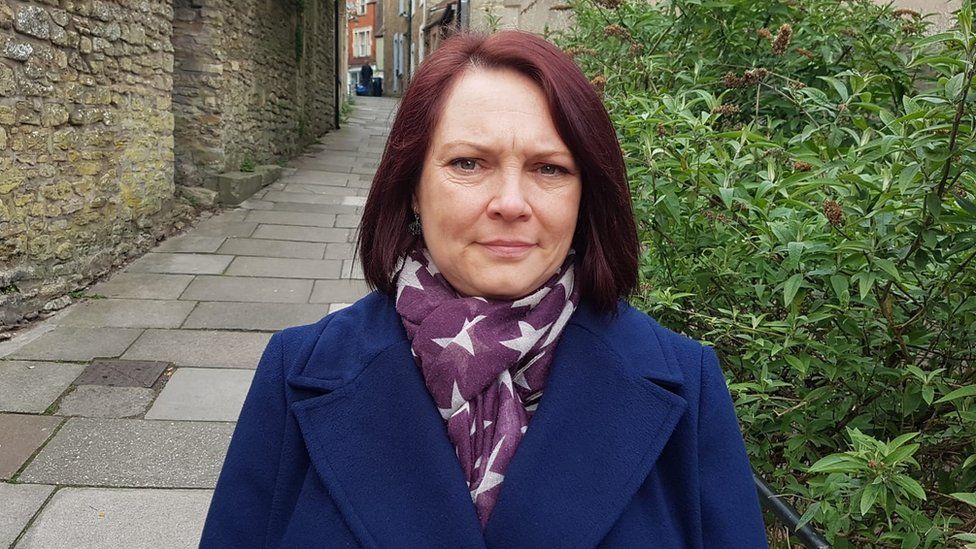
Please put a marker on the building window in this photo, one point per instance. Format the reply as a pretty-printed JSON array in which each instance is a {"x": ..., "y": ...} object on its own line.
[
  {"x": 362, "y": 42},
  {"x": 361, "y": 7}
]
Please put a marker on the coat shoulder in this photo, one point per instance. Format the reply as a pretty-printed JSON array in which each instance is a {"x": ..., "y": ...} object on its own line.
[
  {"x": 341, "y": 344},
  {"x": 652, "y": 350}
]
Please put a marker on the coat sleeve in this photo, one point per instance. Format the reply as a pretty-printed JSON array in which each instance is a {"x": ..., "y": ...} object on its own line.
[
  {"x": 730, "y": 505},
  {"x": 241, "y": 505}
]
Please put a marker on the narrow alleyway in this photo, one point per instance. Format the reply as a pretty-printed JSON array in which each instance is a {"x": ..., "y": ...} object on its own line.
[{"x": 115, "y": 415}]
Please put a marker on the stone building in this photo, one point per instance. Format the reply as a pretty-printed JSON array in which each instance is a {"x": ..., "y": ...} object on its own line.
[{"x": 107, "y": 105}]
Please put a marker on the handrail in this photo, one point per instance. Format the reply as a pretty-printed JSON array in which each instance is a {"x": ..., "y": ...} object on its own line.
[{"x": 787, "y": 515}]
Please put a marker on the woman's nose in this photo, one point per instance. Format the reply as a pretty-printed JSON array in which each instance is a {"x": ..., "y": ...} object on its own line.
[{"x": 509, "y": 201}]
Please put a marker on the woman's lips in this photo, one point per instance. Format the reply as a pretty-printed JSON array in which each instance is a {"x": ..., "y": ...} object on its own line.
[{"x": 508, "y": 248}]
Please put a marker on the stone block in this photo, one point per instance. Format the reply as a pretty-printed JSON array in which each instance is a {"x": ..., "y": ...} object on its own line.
[
  {"x": 102, "y": 518},
  {"x": 284, "y": 268},
  {"x": 272, "y": 248},
  {"x": 143, "y": 286},
  {"x": 33, "y": 386},
  {"x": 260, "y": 290},
  {"x": 234, "y": 187},
  {"x": 127, "y": 313},
  {"x": 20, "y": 437},
  {"x": 338, "y": 291},
  {"x": 180, "y": 263},
  {"x": 78, "y": 344},
  {"x": 20, "y": 502},
  {"x": 253, "y": 316},
  {"x": 111, "y": 402},
  {"x": 202, "y": 394},
  {"x": 198, "y": 195},
  {"x": 132, "y": 452},
  {"x": 200, "y": 348},
  {"x": 33, "y": 20},
  {"x": 301, "y": 233}
]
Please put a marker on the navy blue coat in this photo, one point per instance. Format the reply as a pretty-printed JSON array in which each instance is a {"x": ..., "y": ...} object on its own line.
[{"x": 634, "y": 444}]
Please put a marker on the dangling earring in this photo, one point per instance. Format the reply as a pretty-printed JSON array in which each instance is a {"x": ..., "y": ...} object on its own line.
[{"x": 415, "y": 228}]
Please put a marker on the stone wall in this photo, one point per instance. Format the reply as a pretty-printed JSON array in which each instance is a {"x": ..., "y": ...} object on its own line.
[
  {"x": 86, "y": 140},
  {"x": 105, "y": 104},
  {"x": 255, "y": 82}
]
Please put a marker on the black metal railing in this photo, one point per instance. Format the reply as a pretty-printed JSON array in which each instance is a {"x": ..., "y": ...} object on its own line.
[{"x": 787, "y": 516}]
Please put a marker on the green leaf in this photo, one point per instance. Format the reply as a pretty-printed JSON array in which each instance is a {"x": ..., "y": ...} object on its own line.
[
  {"x": 808, "y": 515},
  {"x": 841, "y": 285},
  {"x": 888, "y": 266},
  {"x": 838, "y": 463},
  {"x": 954, "y": 86},
  {"x": 790, "y": 288},
  {"x": 839, "y": 86},
  {"x": 868, "y": 497},
  {"x": 962, "y": 392},
  {"x": 910, "y": 485},
  {"x": 965, "y": 497}
]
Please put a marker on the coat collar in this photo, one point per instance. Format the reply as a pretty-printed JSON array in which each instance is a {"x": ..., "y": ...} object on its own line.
[{"x": 380, "y": 446}]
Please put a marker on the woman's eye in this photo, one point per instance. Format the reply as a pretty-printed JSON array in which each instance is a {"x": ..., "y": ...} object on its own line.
[
  {"x": 551, "y": 169},
  {"x": 465, "y": 164}
]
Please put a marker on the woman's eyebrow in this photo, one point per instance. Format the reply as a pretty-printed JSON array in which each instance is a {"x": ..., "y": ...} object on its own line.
[{"x": 461, "y": 143}]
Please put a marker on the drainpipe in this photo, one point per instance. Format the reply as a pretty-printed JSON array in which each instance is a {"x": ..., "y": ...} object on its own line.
[
  {"x": 409, "y": 43},
  {"x": 338, "y": 81}
]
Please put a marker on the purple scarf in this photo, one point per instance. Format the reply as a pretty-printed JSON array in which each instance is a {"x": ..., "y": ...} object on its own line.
[{"x": 484, "y": 362}]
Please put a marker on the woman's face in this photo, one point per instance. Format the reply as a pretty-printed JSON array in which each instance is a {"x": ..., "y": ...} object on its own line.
[{"x": 500, "y": 192}]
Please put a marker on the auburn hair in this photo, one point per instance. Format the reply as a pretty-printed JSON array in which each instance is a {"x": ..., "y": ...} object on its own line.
[{"x": 606, "y": 236}]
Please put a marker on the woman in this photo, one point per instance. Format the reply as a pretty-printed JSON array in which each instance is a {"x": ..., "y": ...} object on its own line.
[{"x": 494, "y": 391}]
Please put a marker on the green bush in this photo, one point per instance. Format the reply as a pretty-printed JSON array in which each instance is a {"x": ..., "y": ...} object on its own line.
[{"x": 802, "y": 174}]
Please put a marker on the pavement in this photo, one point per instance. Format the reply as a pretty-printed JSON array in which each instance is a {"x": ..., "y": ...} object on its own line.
[{"x": 115, "y": 414}]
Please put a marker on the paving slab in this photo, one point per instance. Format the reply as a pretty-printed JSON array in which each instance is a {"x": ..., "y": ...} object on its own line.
[
  {"x": 301, "y": 234},
  {"x": 127, "y": 313},
  {"x": 350, "y": 221},
  {"x": 284, "y": 268},
  {"x": 133, "y": 453},
  {"x": 110, "y": 372},
  {"x": 311, "y": 188},
  {"x": 20, "y": 503},
  {"x": 318, "y": 177},
  {"x": 253, "y": 316},
  {"x": 102, "y": 401},
  {"x": 250, "y": 289},
  {"x": 188, "y": 243},
  {"x": 339, "y": 250},
  {"x": 352, "y": 269},
  {"x": 21, "y": 436},
  {"x": 207, "y": 349},
  {"x": 180, "y": 263},
  {"x": 228, "y": 229},
  {"x": 33, "y": 386},
  {"x": 338, "y": 291},
  {"x": 78, "y": 344},
  {"x": 315, "y": 208},
  {"x": 202, "y": 394},
  {"x": 292, "y": 218},
  {"x": 143, "y": 286},
  {"x": 273, "y": 248},
  {"x": 304, "y": 198},
  {"x": 97, "y": 518}
]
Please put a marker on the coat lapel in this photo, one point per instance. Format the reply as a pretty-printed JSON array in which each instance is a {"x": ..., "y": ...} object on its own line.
[
  {"x": 380, "y": 446},
  {"x": 602, "y": 422}
]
